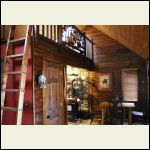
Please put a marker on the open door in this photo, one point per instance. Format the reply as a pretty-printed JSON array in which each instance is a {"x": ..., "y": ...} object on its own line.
[{"x": 53, "y": 94}]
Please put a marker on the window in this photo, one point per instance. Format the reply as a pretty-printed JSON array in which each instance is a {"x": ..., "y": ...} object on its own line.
[{"x": 130, "y": 84}]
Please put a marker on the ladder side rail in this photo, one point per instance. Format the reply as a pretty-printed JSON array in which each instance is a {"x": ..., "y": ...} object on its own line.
[
  {"x": 23, "y": 74},
  {"x": 5, "y": 68}
]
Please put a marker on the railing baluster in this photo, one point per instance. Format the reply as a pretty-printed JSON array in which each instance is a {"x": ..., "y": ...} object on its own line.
[
  {"x": 53, "y": 38},
  {"x": 84, "y": 44},
  {"x": 47, "y": 31},
  {"x": 42, "y": 29},
  {"x": 59, "y": 33},
  {"x": 51, "y": 32},
  {"x": 54, "y": 33}
]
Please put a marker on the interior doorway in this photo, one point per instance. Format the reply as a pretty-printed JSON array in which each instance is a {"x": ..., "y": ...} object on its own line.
[{"x": 78, "y": 107}]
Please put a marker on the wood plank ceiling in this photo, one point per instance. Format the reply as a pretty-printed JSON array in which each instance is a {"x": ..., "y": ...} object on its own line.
[{"x": 134, "y": 37}]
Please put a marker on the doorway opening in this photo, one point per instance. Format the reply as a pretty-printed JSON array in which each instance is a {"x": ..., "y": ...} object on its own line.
[{"x": 78, "y": 105}]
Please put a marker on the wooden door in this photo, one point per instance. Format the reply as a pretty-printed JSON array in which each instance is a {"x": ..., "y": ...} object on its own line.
[{"x": 53, "y": 94}]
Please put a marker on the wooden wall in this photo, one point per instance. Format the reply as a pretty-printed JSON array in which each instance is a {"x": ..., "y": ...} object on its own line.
[
  {"x": 110, "y": 56},
  {"x": 135, "y": 37},
  {"x": 41, "y": 54},
  {"x": 46, "y": 51}
]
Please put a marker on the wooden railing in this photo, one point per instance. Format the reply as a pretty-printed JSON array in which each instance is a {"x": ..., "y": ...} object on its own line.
[{"x": 69, "y": 36}]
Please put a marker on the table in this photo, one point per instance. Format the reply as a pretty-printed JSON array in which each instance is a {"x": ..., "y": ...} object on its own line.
[{"x": 129, "y": 105}]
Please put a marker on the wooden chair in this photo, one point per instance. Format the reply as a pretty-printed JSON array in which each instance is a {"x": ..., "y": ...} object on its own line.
[
  {"x": 116, "y": 111},
  {"x": 96, "y": 111}
]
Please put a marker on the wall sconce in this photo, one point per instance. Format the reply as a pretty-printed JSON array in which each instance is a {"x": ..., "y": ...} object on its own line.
[{"x": 42, "y": 81}]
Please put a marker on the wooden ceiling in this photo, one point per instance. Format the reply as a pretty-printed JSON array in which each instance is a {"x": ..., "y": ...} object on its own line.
[{"x": 134, "y": 37}]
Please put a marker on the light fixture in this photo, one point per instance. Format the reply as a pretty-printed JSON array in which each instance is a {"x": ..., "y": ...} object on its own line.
[{"x": 42, "y": 81}]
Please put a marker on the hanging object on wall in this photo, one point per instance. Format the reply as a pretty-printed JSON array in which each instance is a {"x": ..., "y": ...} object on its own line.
[
  {"x": 42, "y": 81},
  {"x": 76, "y": 83}
]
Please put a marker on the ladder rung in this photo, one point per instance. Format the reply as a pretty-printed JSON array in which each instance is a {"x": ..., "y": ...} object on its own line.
[
  {"x": 11, "y": 90},
  {"x": 14, "y": 56},
  {"x": 13, "y": 72},
  {"x": 16, "y": 41},
  {"x": 9, "y": 108}
]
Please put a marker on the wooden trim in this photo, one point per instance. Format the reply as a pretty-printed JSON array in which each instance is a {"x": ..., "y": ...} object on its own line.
[{"x": 4, "y": 76}]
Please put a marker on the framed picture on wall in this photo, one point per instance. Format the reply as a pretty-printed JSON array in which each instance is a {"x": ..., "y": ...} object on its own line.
[{"x": 105, "y": 81}]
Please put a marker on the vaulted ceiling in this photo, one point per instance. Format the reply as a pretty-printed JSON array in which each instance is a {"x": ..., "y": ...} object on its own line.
[{"x": 134, "y": 37}]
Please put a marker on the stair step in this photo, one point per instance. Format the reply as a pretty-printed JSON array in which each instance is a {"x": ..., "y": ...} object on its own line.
[
  {"x": 9, "y": 108},
  {"x": 14, "y": 56},
  {"x": 11, "y": 90},
  {"x": 13, "y": 72},
  {"x": 16, "y": 41}
]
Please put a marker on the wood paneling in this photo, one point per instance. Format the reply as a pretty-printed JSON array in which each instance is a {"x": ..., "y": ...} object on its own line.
[
  {"x": 19, "y": 32},
  {"x": 65, "y": 55},
  {"x": 111, "y": 57},
  {"x": 41, "y": 53},
  {"x": 134, "y": 37}
]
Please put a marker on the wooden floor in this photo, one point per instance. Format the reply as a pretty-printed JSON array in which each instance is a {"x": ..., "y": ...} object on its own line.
[{"x": 95, "y": 122}]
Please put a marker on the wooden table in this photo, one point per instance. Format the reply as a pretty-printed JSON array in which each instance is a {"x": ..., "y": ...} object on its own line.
[{"x": 105, "y": 105}]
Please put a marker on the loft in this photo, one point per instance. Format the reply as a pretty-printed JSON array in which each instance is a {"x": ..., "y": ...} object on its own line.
[{"x": 73, "y": 70}]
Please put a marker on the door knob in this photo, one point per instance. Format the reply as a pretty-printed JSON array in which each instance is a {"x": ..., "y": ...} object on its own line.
[{"x": 48, "y": 116}]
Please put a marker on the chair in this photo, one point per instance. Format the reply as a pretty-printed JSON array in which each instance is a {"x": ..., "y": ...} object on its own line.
[
  {"x": 96, "y": 111},
  {"x": 139, "y": 115},
  {"x": 116, "y": 111}
]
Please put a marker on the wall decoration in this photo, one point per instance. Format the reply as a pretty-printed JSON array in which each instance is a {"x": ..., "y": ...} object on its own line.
[{"x": 105, "y": 81}]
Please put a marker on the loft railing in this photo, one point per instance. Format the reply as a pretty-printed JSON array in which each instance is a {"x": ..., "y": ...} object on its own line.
[{"x": 69, "y": 36}]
